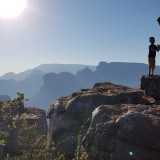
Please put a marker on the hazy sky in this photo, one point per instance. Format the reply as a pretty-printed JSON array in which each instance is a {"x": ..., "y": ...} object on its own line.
[{"x": 78, "y": 31}]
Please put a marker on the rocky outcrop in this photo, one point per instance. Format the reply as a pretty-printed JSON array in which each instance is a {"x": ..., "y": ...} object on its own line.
[
  {"x": 67, "y": 114},
  {"x": 32, "y": 116},
  {"x": 151, "y": 85},
  {"x": 124, "y": 132}
]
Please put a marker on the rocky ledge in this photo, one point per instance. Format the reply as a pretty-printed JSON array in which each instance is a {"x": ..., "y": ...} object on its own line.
[
  {"x": 118, "y": 123},
  {"x": 151, "y": 85}
]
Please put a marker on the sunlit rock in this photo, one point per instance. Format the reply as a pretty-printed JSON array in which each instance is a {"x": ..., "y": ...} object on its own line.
[{"x": 67, "y": 114}]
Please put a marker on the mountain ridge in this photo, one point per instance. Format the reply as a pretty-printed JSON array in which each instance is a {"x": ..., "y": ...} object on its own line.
[
  {"x": 46, "y": 68},
  {"x": 42, "y": 88}
]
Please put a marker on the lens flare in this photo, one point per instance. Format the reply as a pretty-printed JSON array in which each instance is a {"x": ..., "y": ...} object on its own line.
[
  {"x": 11, "y": 8},
  {"x": 131, "y": 153}
]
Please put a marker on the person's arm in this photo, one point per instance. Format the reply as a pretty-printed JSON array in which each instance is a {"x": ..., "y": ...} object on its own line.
[
  {"x": 158, "y": 48},
  {"x": 154, "y": 49}
]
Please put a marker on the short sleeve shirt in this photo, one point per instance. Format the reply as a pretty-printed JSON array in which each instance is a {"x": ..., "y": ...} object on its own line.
[{"x": 152, "y": 54}]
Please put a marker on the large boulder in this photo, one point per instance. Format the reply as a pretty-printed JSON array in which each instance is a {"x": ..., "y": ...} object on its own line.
[
  {"x": 32, "y": 116},
  {"x": 67, "y": 114},
  {"x": 124, "y": 132},
  {"x": 151, "y": 85}
]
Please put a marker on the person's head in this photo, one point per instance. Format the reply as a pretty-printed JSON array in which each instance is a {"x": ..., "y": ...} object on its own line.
[
  {"x": 158, "y": 20},
  {"x": 152, "y": 40}
]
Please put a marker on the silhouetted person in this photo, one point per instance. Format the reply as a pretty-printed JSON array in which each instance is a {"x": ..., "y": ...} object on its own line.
[{"x": 152, "y": 55}]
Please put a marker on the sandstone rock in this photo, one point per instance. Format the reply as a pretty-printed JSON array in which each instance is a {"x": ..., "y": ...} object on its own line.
[
  {"x": 124, "y": 132},
  {"x": 33, "y": 115},
  {"x": 151, "y": 85},
  {"x": 67, "y": 114}
]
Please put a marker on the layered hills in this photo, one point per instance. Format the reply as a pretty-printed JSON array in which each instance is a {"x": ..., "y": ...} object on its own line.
[{"x": 45, "y": 83}]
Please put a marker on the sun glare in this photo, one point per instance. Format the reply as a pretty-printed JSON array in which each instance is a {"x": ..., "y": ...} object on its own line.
[{"x": 11, "y": 8}]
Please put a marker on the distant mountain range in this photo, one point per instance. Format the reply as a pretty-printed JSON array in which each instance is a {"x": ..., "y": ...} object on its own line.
[
  {"x": 58, "y": 68},
  {"x": 29, "y": 86},
  {"x": 45, "y": 83},
  {"x": 17, "y": 77},
  {"x": 46, "y": 68}
]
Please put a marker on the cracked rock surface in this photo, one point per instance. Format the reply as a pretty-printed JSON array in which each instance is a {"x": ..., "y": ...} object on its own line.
[
  {"x": 125, "y": 131},
  {"x": 120, "y": 123}
]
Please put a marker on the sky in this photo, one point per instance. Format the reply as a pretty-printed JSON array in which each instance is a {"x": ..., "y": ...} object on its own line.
[{"x": 78, "y": 32}]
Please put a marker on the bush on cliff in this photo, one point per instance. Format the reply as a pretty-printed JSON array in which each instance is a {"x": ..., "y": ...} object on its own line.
[
  {"x": 9, "y": 112},
  {"x": 33, "y": 147}
]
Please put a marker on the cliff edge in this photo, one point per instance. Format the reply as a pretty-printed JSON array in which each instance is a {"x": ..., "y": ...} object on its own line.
[{"x": 117, "y": 123}]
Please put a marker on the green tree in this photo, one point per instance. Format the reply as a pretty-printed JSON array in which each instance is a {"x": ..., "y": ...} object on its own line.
[
  {"x": 27, "y": 140},
  {"x": 3, "y": 137},
  {"x": 34, "y": 147},
  {"x": 10, "y": 111}
]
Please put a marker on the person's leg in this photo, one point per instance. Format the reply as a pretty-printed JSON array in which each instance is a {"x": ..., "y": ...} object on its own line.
[
  {"x": 149, "y": 66},
  {"x": 152, "y": 70},
  {"x": 149, "y": 70},
  {"x": 153, "y": 66}
]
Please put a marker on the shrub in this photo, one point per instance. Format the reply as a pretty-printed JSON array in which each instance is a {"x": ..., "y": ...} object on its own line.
[{"x": 9, "y": 112}]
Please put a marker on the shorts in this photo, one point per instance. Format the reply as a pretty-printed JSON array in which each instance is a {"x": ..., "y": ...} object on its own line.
[{"x": 151, "y": 62}]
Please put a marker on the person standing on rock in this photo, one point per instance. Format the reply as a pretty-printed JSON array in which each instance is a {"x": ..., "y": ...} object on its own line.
[{"x": 151, "y": 56}]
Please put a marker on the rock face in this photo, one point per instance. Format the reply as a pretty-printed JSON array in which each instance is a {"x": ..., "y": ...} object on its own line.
[
  {"x": 33, "y": 115},
  {"x": 67, "y": 114},
  {"x": 151, "y": 85},
  {"x": 124, "y": 132}
]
